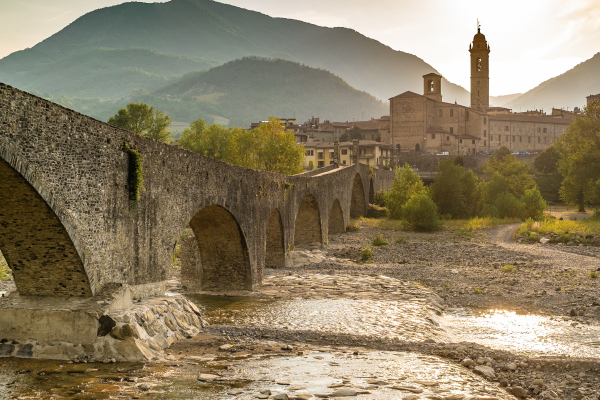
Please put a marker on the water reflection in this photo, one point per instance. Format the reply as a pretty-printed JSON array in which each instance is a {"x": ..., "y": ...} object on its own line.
[
  {"x": 526, "y": 334},
  {"x": 405, "y": 320}
]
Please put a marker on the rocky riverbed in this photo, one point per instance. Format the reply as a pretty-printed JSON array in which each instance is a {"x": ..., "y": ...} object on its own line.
[{"x": 333, "y": 326}]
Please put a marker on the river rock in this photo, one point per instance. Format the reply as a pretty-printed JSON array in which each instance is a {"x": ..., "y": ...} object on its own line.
[
  {"x": 488, "y": 372},
  {"x": 519, "y": 392},
  {"x": 281, "y": 396},
  {"x": 538, "y": 382},
  {"x": 467, "y": 362},
  {"x": 511, "y": 366},
  {"x": 207, "y": 377},
  {"x": 132, "y": 349},
  {"x": 171, "y": 324},
  {"x": 343, "y": 393}
]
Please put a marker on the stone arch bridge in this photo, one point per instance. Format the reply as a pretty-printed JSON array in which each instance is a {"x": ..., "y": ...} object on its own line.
[{"x": 71, "y": 222}]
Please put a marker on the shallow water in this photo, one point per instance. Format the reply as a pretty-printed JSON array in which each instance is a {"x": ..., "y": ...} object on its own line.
[
  {"x": 529, "y": 334},
  {"x": 403, "y": 320}
]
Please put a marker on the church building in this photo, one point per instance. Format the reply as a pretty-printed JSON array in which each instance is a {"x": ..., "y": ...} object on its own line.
[{"x": 424, "y": 123}]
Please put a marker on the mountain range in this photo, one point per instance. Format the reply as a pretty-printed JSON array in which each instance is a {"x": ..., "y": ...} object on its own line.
[{"x": 158, "y": 40}]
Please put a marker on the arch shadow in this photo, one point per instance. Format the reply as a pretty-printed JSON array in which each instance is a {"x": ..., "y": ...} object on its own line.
[
  {"x": 371, "y": 192},
  {"x": 224, "y": 258},
  {"x": 336, "y": 219},
  {"x": 275, "y": 246},
  {"x": 308, "y": 222},
  {"x": 358, "y": 207},
  {"x": 36, "y": 242}
]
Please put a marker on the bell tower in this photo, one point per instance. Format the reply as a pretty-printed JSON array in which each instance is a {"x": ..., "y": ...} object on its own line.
[{"x": 480, "y": 72}]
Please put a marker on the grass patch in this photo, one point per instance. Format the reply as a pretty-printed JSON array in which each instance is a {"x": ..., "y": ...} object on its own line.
[
  {"x": 478, "y": 223},
  {"x": 560, "y": 231},
  {"x": 422, "y": 283},
  {"x": 366, "y": 253},
  {"x": 508, "y": 268},
  {"x": 401, "y": 239},
  {"x": 447, "y": 284},
  {"x": 352, "y": 227},
  {"x": 379, "y": 241},
  {"x": 594, "y": 275},
  {"x": 430, "y": 239},
  {"x": 478, "y": 291}
]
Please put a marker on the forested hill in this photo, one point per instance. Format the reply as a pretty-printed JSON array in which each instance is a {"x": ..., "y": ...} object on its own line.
[
  {"x": 249, "y": 90},
  {"x": 567, "y": 90},
  {"x": 157, "y": 40}
]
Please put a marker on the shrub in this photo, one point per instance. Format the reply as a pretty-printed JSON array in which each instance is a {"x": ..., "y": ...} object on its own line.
[
  {"x": 594, "y": 275},
  {"x": 508, "y": 206},
  {"x": 420, "y": 213},
  {"x": 402, "y": 239},
  {"x": 407, "y": 183},
  {"x": 376, "y": 211},
  {"x": 533, "y": 204},
  {"x": 508, "y": 268},
  {"x": 379, "y": 241},
  {"x": 379, "y": 198},
  {"x": 366, "y": 253},
  {"x": 478, "y": 291}
]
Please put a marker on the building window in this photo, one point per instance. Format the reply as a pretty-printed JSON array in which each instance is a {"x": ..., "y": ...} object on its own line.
[
  {"x": 484, "y": 120},
  {"x": 506, "y": 128},
  {"x": 460, "y": 141},
  {"x": 520, "y": 139},
  {"x": 514, "y": 138},
  {"x": 506, "y": 138},
  {"x": 310, "y": 152},
  {"x": 544, "y": 140},
  {"x": 344, "y": 162},
  {"x": 451, "y": 130},
  {"x": 484, "y": 133},
  {"x": 529, "y": 139},
  {"x": 491, "y": 138},
  {"x": 447, "y": 137},
  {"x": 514, "y": 128},
  {"x": 452, "y": 112},
  {"x": 545, "y": 130},
  {"x": 484, "y": 143},
  {"x": 320, "y": 164},
  {"x": 433, "y": 135},
  {"x": 320, "y": 155},
  {"x": 539, "y": 139},
  {"x": 344, "y": 152},
  {"x": 441, "y": 113},
  {"x": 331, "y": 162},
  {"x": 472, "y": 141},
  {"x": 539, "y": 130}
]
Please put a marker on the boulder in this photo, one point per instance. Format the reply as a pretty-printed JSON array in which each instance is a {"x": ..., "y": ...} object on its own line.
[
  {"x": 486, "y": 371},
  {"x": 132, "y": 349}
]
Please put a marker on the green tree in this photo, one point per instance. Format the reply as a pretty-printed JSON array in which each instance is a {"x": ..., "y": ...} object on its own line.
[
  {"x": 143, "y": 120},
  {"x": 276, "y": 148},
  {"x": 455, "y": 191},
  {"x": 420, "y": 213},
  {"x": 344, "y": 137},
  {"x": 502, "y": 152},
  {"x": 533, "y": 204},
  {"x": 407, "y": 183},
  {"x": 515, "y": 172},
  {"x": 547, "y": 161},
  {"x": 579, "y": 164},
  {"x": 356, "y": 133}
]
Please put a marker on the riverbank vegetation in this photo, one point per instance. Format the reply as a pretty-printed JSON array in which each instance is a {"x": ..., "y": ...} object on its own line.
[{"x": 5, "y": 272}]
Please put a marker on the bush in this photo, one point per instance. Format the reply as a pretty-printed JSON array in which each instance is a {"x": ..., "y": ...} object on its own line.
[
  {"x": 407, "y": 183},
  {"x": 420, "y": 214},
  {"x": 478, "y": 291},
  {"x": 379, "y": 198},
  {"x": 376, "y": 211},
  {"x": 366, "y": 253},
  {"x": 533, "y": 204},
  {"x": 594, "y": 275},
  {"x": 508, "y": 206},
  {"x": 379, "y": 241}
]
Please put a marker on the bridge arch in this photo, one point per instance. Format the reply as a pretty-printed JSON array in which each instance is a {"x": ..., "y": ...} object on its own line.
[
  {"x": 275, "y": 247},
  {"x": 336, "y": 219},
  {"x": 308, "y": 222},
  {"x": 358, "y": 207},
  {"x": 36, "y": 241},
  {"x": 223, "y": 250}
]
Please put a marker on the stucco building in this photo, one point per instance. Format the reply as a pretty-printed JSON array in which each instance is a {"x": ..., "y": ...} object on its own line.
[
  {"x": 424, "y": 123},
  {"x": 322, "y": 154}
]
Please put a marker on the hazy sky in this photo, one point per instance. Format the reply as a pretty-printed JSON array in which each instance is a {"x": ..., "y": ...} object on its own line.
[{"x": 530, "y": 40}]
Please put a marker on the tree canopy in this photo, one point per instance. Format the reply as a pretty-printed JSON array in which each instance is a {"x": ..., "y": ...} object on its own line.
[
  {"x": 547, "y": 161},
  {"x": 579, "y": 148},
  {"x": 356, "y": 133},
  {"x": 268, "y": 147},
  {"x": 143, "y": 120}
]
